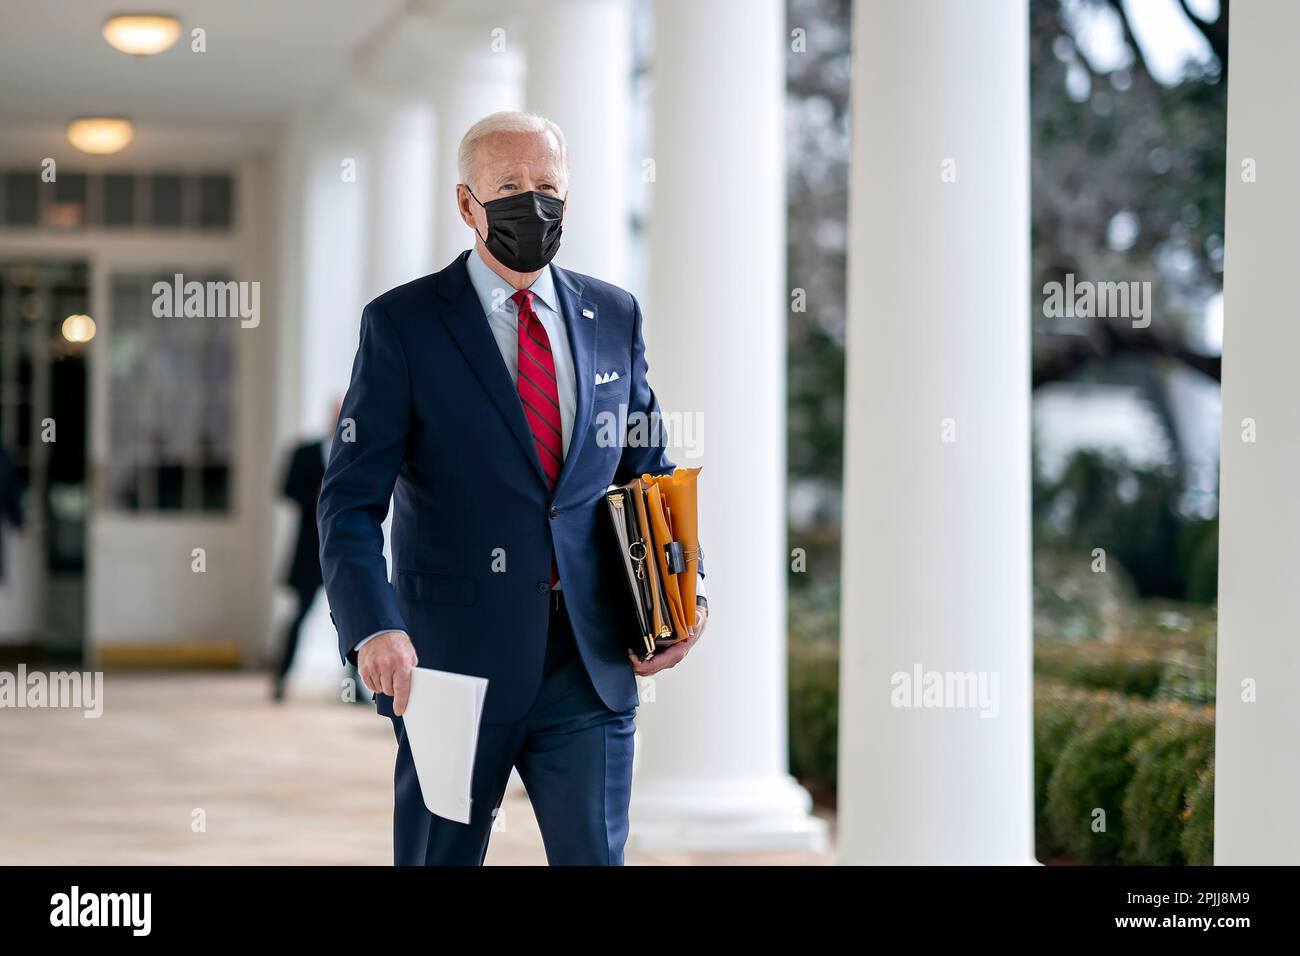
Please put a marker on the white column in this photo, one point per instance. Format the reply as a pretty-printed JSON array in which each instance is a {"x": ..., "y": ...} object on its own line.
[
  {"x": 712, "y": 762},
  {"x": 1257, "y": 778},
  {"x": 330, "y": 150},
  {"x": 579, "y": 75},
  {"x": 476, "y": 68},
  {"x": 399, "y": 167},
  {"x": 334, "y": 285},
  {"x": 937, "y": 497}
]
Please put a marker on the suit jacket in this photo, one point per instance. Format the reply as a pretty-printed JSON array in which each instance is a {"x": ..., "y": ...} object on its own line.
[
  {"x": 439, "y": 427},
  {"x": 302, "y": 486}
]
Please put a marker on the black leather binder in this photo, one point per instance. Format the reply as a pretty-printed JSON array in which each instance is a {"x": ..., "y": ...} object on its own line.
[{"x": 626, "y": 506}]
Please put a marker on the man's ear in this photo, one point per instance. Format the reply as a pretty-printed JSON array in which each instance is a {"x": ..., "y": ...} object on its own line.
[{"x": 465, "y": 203}]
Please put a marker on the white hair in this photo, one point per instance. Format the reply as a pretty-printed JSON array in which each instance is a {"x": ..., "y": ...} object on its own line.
[{"x": 507, "y": 121}]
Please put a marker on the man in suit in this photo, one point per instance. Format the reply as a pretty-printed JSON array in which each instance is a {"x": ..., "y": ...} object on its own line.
[
  {"x": 480, "y": 402},
  {"x": 11, "y": 510},
  {"x": 302, "y": 484}
]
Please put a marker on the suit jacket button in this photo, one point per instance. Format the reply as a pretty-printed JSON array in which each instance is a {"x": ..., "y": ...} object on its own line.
[
  {"x": 555, "y": 512},
  {"x": 542, "y": 587}
]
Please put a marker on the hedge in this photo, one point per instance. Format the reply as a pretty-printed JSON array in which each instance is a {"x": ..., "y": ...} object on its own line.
[
  {"x": 814, "y": 698},
  {"x": 1148, "y": 665},
  {"x": 1197, "y": 841},
  {"x": 1147, "y": 765},
  {"x": 1105, "y": 736},
  {"x": 1058, "y": 714},
  {"x": 1130, "y": 670},
  {"x": 1086, "y": 790},
  {"x": 1168, "y": 764}
]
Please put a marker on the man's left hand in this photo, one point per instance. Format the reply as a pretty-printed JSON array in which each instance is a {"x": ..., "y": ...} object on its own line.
[{"x": 674, "y": 654}]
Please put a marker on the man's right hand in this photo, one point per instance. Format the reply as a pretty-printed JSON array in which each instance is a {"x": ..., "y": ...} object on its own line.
[{"x": 385, "y": 664}]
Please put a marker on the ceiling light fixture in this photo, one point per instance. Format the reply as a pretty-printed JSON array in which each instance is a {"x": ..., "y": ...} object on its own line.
[
  {"x": 142, "y": 34},
  {"x": 78, "y": 329},
  {"x": 100, "y": 135}
]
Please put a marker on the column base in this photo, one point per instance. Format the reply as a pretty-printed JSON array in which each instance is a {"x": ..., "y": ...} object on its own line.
[{"x": 766, "y": 813}]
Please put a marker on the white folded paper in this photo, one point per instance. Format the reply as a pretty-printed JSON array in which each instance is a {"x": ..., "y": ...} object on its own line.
[{"x": 442, "y": 721}]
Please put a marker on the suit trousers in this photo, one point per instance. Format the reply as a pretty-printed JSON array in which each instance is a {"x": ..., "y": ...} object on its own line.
[
  {"x": 306, "y": 596},
  {"x": 573, "y": 754}
]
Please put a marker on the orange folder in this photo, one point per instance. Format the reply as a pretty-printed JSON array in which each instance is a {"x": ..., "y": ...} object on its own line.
[
  {"x": 680, "y": 490},
  {"x": 662, "y": 533}
]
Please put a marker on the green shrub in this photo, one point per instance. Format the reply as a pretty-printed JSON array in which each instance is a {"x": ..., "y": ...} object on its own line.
[
  {"x": 1198, "y": 560},
  {"x": 814, "y": 694},
  {"x": 814, "y": 682},
  {"x": 1167, "y": 763},
  {"x": 1058, "y": 713},
  {"x": 1197, "y": 841},
  {"x": 1092, "y": 774},
  {"x": 1126, "y": 668},
  {"x": 1190, "y": 672}
]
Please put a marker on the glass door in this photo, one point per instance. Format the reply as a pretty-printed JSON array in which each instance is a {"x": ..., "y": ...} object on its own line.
[{"x": 45, "y": 330}]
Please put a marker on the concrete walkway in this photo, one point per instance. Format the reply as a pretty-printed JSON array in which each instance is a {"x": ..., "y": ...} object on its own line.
[{"x": 201, "y": 768}]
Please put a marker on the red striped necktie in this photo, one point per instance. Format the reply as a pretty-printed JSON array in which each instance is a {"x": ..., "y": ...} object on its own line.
[{"x": 539, "y": 392}]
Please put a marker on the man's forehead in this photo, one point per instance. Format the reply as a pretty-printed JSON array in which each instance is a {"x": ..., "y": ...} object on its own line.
[{"x": 501, "y": 151}]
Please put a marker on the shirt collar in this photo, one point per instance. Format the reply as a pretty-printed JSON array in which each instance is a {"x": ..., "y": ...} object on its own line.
[{"x": 491, "y": 288}]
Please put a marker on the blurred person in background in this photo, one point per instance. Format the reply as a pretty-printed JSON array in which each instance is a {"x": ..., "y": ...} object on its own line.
[
  {"x": 10, "y": 501},
  {"x": 302, "y": 487}
]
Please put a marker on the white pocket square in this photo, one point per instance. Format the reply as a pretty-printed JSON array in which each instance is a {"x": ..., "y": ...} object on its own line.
[{"x": 604, "y": 378}]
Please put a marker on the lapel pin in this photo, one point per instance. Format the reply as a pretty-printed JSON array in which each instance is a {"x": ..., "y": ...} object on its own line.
[{"x": 588, "y": 314}]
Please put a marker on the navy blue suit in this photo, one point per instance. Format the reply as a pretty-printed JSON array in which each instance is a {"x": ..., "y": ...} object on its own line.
[{"x": 438, "y": 426}]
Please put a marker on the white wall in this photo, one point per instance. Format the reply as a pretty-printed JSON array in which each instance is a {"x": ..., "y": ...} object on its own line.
[{"x": 1257, "y": 775}]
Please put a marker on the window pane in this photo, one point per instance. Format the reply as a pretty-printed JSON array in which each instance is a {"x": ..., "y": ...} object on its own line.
[
  {"x": 166, "y": 197},
  {"x": 216, "y": 202},
  {"x": 171, "y": 487},
  {"x": 119, "y": 200},
  {"x": 123, "y": 482},
  {"x": 216, "y": 488},
  {"x": 20, "y": 198},
  {"x": 66, "y": 208},
  {"x": 171, "y": 402}
]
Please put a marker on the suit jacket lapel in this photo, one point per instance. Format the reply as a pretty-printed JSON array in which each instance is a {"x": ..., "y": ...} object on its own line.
[
  {"x": 468, "y": 325},
  {"x": 582, "y": 340}
]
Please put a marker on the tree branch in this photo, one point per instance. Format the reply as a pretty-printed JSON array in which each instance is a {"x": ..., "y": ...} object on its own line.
[
  {"x": 1105, "y": 342},
  {"x": 1215, "y": 33}
]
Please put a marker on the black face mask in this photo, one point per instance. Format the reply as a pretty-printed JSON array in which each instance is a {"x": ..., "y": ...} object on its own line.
[{"x": 523, "y": 230}]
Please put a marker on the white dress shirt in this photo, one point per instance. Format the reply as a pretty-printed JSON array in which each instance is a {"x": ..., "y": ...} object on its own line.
[{"x": 494, "y": 294}]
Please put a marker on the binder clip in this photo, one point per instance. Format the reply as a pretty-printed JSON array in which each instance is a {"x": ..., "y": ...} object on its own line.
[{"x": 675, "y": 556}]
